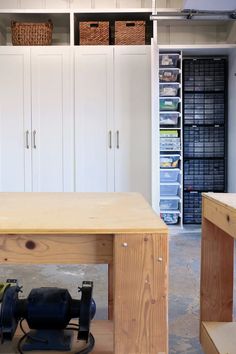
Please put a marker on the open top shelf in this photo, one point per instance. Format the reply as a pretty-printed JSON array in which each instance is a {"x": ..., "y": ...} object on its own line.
[{"x": 61, "y": 25}]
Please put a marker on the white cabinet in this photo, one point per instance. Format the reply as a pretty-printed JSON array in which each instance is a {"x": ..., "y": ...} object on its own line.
[
  {"x": 94, "y": 158},
  {"x": 15, "y": 120},
  {"x": 112, "y": 119},
  {"x": 132, "y": 102},
  {"x": 52, "y": 120},
  {"x": 36, "y": 120}
]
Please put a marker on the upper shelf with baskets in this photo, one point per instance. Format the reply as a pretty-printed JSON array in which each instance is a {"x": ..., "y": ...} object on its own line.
[
  {"x": 60, "y": 30},
  {"x": 76, "y": 27}
]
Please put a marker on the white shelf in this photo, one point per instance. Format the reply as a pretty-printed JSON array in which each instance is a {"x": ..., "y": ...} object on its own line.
[
  {"x": 170, "y": 128},
  {"x": 169, "y": 183},
  {"x": 179, "y": 152},
  {"x": 171, "y": 211},
  {"x": 170, "y": 83},
  {"x": 64, "y": 20}
]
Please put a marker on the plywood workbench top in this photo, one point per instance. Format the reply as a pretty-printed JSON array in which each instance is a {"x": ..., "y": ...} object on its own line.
[
  {"x": 96, "y": 213},
  {"x": 225, "y": 199}
]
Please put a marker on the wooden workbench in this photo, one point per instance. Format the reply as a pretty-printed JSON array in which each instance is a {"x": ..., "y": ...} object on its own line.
[
  {"x": 217, "y": 331},
  {"x": 118, "y": 229}
]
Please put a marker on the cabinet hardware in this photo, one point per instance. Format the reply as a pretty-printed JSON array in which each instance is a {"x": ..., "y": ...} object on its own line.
[
  {"x": 27, "y": 139},
  {"x": 110, "y": 140},
  {"x": 34, "y": 139},
  {"x": 117, "y": 139}
]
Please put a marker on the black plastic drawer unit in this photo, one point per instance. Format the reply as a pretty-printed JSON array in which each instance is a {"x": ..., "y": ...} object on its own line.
[{"x": 204, "y": 136}]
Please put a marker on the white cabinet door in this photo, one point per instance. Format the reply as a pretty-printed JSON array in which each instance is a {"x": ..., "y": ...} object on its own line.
[
  {"x": 94, "y": 152},
  {"x": 52, "y": 119},
  {"x": 15, "y": 119},
  {"x": 132, "y": 102}
]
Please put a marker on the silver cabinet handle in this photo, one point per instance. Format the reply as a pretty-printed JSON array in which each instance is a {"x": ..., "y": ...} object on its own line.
[
  {"x": 110, "y": 139},
  {"x": 117, "y": 139},
  {"x": 27, "y": 139},
  {"x": 34, "y": 139}
]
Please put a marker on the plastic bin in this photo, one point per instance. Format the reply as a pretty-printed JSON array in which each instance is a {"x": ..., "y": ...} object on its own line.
[
  {"x": 169, "y": 118},
  {"x": 169, "y": 175},
  {"x": 169, "y": 161},
  {"x": 169, "y": 204},
  {"x": 170, "y": 144},
  {"x": 168, "y": 75},
  {"x": 169, "y": 218},
  {"x": 169, "y": 90},
  {"x": 169, "y": 189},
  {"x": 169, "y": 133},
  {"x": 169, "y": 104},
  {"x": 168, "y": 60}
]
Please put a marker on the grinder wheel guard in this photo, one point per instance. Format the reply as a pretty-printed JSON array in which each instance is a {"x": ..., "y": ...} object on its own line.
[{"x": 48, "y": 312}]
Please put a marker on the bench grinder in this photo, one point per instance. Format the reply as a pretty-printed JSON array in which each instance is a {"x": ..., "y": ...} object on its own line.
[{"x": 48, "y": 312}]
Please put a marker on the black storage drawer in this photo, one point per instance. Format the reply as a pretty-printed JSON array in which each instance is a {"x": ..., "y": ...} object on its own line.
[{"x": 204, "y": 137}]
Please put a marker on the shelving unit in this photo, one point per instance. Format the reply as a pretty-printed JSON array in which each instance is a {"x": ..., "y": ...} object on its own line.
[
  {"x": 170, "y": 130},
  {"x": 61, "y": 25},
  {"x": 205, "y": 113},
  {"x": 65, "y": 21}
]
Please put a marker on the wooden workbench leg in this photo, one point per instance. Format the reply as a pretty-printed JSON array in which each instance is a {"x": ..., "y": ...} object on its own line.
[
  {"x": 217, "y": 263},
  {"x": 140, "y": 294},
  {"x": 110, "y": 291}
]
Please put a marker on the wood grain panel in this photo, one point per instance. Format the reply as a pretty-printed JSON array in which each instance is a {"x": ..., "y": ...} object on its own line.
[
  {"x": 217, "y": 261},
  {"x": 140, "y": 294},
  {"x": 77, "y": 213},
  {"x": 219, "y": 213},
  {"x": 59, "y": 249},
  {"x": 102, "y": 331}
]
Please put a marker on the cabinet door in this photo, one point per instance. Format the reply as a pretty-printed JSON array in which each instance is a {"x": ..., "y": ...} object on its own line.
[
  {"x": 94, "y": 152},
  {"x": 132, "y": 102},
  {"x": 15, "y": 116},
  {"x": 52, "y": 119}
]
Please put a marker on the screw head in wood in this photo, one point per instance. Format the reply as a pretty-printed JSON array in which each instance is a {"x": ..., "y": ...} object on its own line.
[
  {"x": 125, "y": 244},
  {"x": 160, "y": 259}
]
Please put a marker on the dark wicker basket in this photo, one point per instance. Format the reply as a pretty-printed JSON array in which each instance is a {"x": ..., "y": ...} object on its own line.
[
  {"x": 94, "y": 33},
  {"x": 29, "y": 33},
  {"x": 130, "y": 32}
]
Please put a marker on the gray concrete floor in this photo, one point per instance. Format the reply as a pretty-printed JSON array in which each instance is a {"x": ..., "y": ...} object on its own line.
[{"x": 183, "y": 292}]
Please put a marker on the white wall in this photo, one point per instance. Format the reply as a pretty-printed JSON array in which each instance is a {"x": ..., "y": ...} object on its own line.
[
  {"x": 65, "y": 4},
  {"x": 192, "y": 33},
  {"x": 232, "y": 124}
]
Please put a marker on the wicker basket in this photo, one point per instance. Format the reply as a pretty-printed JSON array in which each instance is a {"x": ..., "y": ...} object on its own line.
[
  {"x": 94, "y": 33},
  {"x": 130, "y": 32},
  {"x": 28, "y": 33}
]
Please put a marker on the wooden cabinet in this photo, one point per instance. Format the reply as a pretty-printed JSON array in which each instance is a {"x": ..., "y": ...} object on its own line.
[
  {"x": 112, "y": 119},
  {"x": 36, "y": 122}
]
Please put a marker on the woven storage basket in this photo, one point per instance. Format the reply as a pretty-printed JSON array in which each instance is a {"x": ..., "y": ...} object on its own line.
[
  {"x": 130, "y": 32},
  {"x": 29, "y": 33},
  {"x": 94, "y": 33}
]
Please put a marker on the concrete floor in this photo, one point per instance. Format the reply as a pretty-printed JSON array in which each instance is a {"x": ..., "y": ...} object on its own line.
[{"x": 183, "y": 293}]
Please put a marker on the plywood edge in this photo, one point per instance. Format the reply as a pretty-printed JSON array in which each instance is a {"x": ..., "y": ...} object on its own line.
[
  {"x": 86, "y": 231},
  {"x": 218, "y": 337},
  {"x": 214, "y": 197},
  {"x": 206, "y": 341}
]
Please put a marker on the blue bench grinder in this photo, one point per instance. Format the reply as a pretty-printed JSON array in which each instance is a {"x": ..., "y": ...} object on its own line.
[{"x": 48, "y": 312}]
